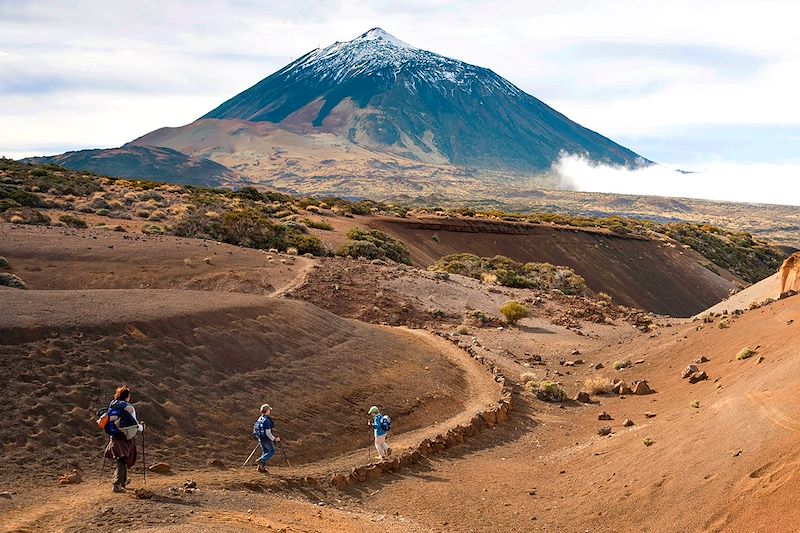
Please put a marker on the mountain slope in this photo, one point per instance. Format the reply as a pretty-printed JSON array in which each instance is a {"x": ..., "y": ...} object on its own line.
[
  {"x": 147, "y": 163},
  {"x": 385, "y": 94}
]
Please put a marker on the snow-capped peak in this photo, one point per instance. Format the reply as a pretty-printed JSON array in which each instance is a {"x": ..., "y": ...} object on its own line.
[{"x": 380, "y": 34}]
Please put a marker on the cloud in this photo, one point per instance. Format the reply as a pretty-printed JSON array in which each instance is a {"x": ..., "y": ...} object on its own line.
[{"x": 751, "y": 183}]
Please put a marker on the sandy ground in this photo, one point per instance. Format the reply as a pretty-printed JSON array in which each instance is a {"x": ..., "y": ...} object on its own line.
[{"x": 722, "y": 454}]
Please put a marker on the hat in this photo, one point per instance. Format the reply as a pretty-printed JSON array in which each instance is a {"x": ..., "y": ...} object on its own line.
[
  {"x": 265, "y": 407},
  {"x": 374, "y": 410}
]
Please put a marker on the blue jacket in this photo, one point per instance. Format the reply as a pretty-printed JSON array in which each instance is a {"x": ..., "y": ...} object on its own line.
[
  {"x": 262, "y": 429},
  {"x": 376, "y": 424}
]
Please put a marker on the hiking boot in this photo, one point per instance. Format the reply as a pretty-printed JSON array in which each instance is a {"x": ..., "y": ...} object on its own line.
[
  {"x": 262, "y": 468},
  {"x": 127, "y": 482},
  {"x": 118, "y": 488},
  {"x": 388, "y": 452}
]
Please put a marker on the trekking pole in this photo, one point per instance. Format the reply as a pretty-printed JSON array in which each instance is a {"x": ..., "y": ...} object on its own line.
[
  {"x": 284, "y": 453},
  {"x": 369, "y": 446},
  {"x": 144, "y": 461},
  {"x": 251, "y": 455},
  {"x": 101, "y": 469}
]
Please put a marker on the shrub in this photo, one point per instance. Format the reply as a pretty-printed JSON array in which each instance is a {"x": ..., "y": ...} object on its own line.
[
  {"x": 478, "y": 317},
  {"x": 513, "y": 311},
  {"x": 724, "y": 323},
  {"x": 384, "y": 246},
  {"x": 745, "y": 353},
  {"x": 525, "y": 377},
  {"x": 26, "y": 215},
  {"x": 462, "y": 330},
  {"x": 102, "y": 212},
  {"x": 647, "y": 441},
  {"x": 18, "y": 197},
  {"x": 4, "y": 262},
  {"x": 72, "y": 221},
  {"x": 317, "y": 224},
  {"x": 619, "y": 365},
  {"x": 291, "y": 250},
  {"x": 10, "y": 280},
  {"x": 598, "y": 386},
  {"x": 509, "y": 273},
  {"x": 547, "y": 391}
]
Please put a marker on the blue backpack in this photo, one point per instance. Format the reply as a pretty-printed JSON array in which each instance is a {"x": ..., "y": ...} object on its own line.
[
  {"x": 385, "y": 423},
  {"x": 261, "y": 426},
  {"x": 124, "y": 419}
]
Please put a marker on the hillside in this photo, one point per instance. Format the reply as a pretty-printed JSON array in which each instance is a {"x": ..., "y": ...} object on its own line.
[
  {"x": 638, "y": 272},
  {"x": 146, "y": 162}
]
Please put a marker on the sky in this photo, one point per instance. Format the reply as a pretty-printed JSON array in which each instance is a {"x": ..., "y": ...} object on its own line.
[{"x": 709, "y": 87}]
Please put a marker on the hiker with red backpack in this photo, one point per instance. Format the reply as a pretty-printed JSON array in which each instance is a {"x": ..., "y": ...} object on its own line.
[
  {"x": 381, "y": 425},
  {"x": 120, "y": 423},
  {"x": 262, "y": 430}
]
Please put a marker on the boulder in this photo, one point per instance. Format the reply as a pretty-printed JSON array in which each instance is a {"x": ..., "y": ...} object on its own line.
[
  {"x": 625, "y": 390},
  {"x": 618, "y": 386},
  {"x": 691, "y": 369},
  {"x": 216, "y": 463},
  {"x": 339, "y": 481},
  {"x": 190, "y": 484},
  {"x": 490, "y": 417},
  {"x": 598, "y": 366},
  {"x": 790, "y": 274},
  {"x": 143, "y": 494},
  {"x": 603, "y": 431},
  {"x": 627, "y": 423},
  {"x": 604, "y": 416},
  {"x": 71, "y": 478},
  {"x": 583, "y": 397},
  {"x": 649, "y": 415},
  {"x": 641, "y": 387},
  {"x": 160, "y": 468},
  {"x": 698, "y": 376},
  {"x": 372, "y": 473},
  {"x": 701, "y": 359}
]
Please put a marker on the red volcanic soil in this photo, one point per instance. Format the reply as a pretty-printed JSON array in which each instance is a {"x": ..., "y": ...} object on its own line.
[
  {"x": 635, "y": 271},
  {"x": 200, "y": 364}
]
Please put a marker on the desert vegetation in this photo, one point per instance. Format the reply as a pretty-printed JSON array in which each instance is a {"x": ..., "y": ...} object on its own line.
[
  {"x": 513, "y": 311},
  {"x": 548, "y": 391},
  {"x": 374, "y": 244},
  {"x": 503, "y": 271}
]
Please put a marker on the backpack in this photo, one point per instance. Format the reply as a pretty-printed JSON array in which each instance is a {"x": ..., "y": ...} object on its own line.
[
  {"x": 261, "y": 426},
  {"x": 123, "y": 426},
  {"x": 385, "y": 423}
]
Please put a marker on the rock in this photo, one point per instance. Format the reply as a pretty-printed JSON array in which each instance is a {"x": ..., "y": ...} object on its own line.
[
  {"x": 6, "y": 495},
  {"x": 578, "y": 361},
  {"x": 189, "y": 484},
  {"x": 106, "y": 510},
  {"x": 71, "y": 478},
  {"x": 641, "y": 387},
  {"x": 604, "y": 416},
  {"x": 618, "y": 386},
  {"x": 625, "y": 390},
  {"x": 691, "y": 369},
  {"x": 583, "y": 397},
  {"x": 702, "y": 359},
  {"x": 569, "y": 363},
  {"x": 598, "y": 366},
  {"x": 759, "y": 360},
  {"x": 160, "y": 468},
  {"x": 698, "y": 376},
  {"x": 649, "y": 415},
  {"x": 143, "y": 494},
  {"x": 604, "y": 431},
  {"x": 627, "y": 423},
  {"x": 575, "y": 352},
  {"x": 638, "y": 362},
  {"x": 216, "y": 463}
]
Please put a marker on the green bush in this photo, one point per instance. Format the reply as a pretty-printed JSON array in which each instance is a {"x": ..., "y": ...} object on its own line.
[
  {"x": 745, "y": 353},
  {"x": 513, "y": 311},
  {"x": 317, "y": 224},
  {"x": 17, "y": 197},
  {"x": 72, "y": 221},
  {"x": 374, "y": 244},
  {"x": 547, "y": 391},
  {"x": 619, "y": 365},
  {"x": 510, "y": 273}
]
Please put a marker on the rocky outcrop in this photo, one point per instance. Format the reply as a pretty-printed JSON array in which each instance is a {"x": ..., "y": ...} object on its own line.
[{"x": 790, "y": 274}]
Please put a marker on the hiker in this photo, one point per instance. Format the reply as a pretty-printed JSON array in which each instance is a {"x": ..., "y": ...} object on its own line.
[
  {"x": 381, "y": 424},
  {"x": 262, "y": 430},
  {"x": 122, "y": 426}
]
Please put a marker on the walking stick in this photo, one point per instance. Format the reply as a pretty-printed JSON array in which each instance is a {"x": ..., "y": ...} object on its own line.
[
  {"x": 369, "y": 446},
  {"x": 144, "y": 461},
  {"x": 284, "y": 453},
  {"x": 251, "y": 455},
  {"x": 101, "y": 469}
]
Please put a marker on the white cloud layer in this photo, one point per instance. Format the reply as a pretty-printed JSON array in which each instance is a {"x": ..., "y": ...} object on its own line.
[{"x": 754, "y": 183}]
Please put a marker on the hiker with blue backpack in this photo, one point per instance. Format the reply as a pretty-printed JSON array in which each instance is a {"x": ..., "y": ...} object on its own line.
[
  {"x": 262, "y": 430},
  {"x": 381, "y": 425},
  {"x": 120, "y": 423}
]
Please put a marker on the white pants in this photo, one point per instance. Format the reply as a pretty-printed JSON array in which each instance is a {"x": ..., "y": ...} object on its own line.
[{"x": 381, "y": 446}]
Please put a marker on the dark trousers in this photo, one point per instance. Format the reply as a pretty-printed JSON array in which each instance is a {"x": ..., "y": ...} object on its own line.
[{"x": 121, "y": 473}]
